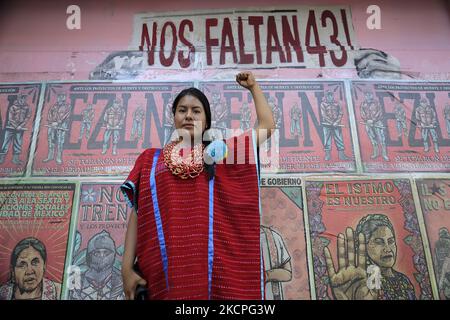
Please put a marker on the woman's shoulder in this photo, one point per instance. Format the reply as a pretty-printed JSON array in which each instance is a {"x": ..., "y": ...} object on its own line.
[
  {"x": 148, "y": 152},
  {"x": 402, "y": 277},
  {"x": 145, "y": 157}
]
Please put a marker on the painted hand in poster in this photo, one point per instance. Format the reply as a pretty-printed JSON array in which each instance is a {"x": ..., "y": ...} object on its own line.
[
  {"x": 349, "y": 282},
  {"x": 100, "y": 277},
  {"x": 120, "y": 65},
  {"x": 27, "y": 278},
  {"x": 376, "y": 64},
  {"x": 375, "y": 248}
]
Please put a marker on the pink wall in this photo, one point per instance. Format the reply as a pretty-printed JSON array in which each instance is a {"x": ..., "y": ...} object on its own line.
[{"x": 36, "y": 45}]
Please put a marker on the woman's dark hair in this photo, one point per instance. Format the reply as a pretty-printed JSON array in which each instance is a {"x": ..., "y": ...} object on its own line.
[
  {"x": 368, "y": 224},
  {"x": 200, "y": 96},
  {"x": 210, "y": 168},
  {"x": 26, "y": 243}
]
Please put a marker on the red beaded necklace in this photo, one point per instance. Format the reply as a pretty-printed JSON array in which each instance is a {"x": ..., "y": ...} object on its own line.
[{"x": 186, "y": 167}]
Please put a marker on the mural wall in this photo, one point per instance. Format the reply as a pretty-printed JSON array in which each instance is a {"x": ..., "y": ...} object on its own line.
[{"x": 355, "y": 201}]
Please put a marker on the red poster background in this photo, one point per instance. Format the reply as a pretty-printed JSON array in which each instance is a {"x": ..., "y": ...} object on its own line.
[
  {"x": 405, "y": 154},
  {"x": 83, "y": 157},
  {"x": 303, "y": 153}
]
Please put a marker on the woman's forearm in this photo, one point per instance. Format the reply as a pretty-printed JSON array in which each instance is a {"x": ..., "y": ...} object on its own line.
[
  {"x": 266, "y": 122},
  {"x": 263, "y": 111},
  {"x": 264, "y": 114},
  {"x": 130, "y": 243},
  {"x": 278, "y": 275}
]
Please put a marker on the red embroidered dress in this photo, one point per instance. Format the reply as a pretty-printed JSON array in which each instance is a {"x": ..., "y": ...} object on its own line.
[{"x": 199, "y": 238}]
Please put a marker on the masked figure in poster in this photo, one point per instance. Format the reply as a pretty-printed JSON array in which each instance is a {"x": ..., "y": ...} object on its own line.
[
  {"x": 220, "y": 113},
  {"x": 101, "y": 281},
  {"x": 114, "y": 119},
  {"x": 371, "y": 246},
  {"x": 442, "y": 262},
  {"x": 246, "y": 116},
  {"x": 447, "y": 118},
  {"x": 277, "y": 263},
  {"x": 27, "y": 281},
  {"x": 86, "y": 122},
  {"x": 372, "y": 116},
  {"x": 331, "y": 114},
  {"x": 400, "y": 119},
  {"x": 427, "y": 122},
  {"x": 58, "y": 125},
  {"x": 18, "y": 115},
  {"x": 138, "y": 120},
  {"x": 295, "y": 115},
  {"x": 168, "y": 120}
]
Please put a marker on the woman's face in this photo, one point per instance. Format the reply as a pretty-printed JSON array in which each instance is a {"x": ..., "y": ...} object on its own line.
[
  {"x": 190, "y": 115},
  {"x": 381, "y": 248},
  {"x": 29, "y": 270}
]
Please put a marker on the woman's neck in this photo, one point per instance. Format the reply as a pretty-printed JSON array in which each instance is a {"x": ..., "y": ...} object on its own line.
[
  {"x": 387, "y": 272},
  {"x": 33, "y": 295},
  {"x": 190, "y": 144}
]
